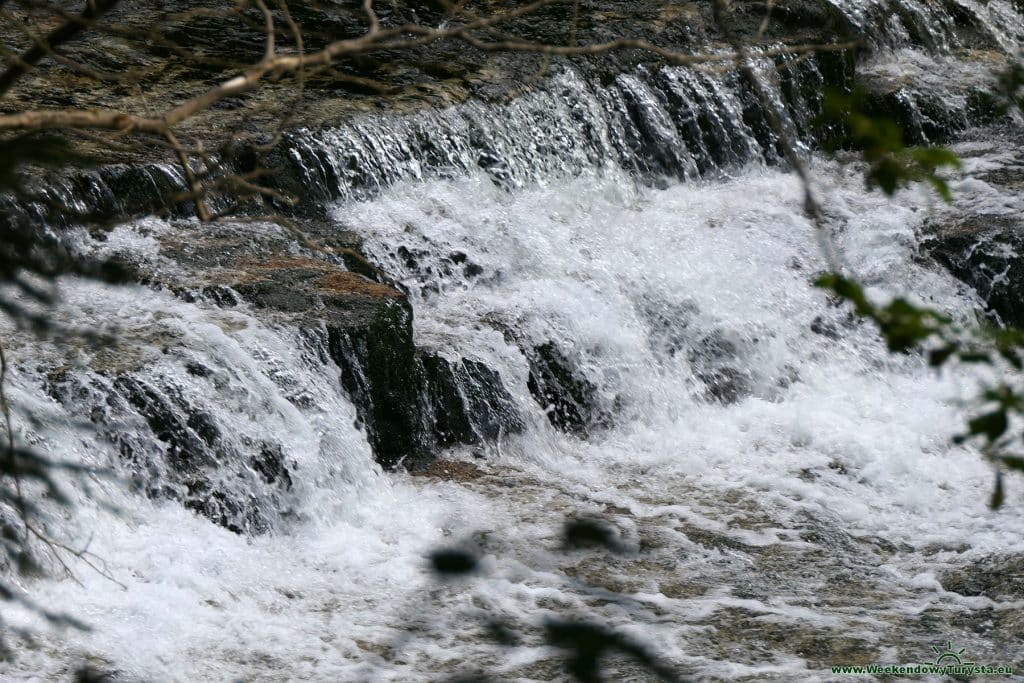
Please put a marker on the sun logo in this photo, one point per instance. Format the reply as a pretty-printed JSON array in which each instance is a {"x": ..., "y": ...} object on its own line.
[{"x": 949, "y": 656}]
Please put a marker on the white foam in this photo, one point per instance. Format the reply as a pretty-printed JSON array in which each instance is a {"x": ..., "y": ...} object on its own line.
[{"x": 836, "y": 437}]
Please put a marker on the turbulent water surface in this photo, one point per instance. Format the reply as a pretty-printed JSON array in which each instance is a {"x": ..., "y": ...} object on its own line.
[
  {"x": 784, "y": 490},
  {"x": 806, "y": 522}
]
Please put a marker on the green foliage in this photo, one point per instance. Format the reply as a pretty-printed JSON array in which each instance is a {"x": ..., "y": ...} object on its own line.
[
  {"x": 891, "y": 164},
  {"x": 903, "y": 325},
  {"x": 906, "y": 327}
]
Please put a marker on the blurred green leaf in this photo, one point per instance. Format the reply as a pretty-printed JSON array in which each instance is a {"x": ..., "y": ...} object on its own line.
[
  {"x": 453, "y": 562},
  {"x": 1014, "y": 462},
  {"x": 891, "y": 163},
  {"x": 991, "y": 425}
]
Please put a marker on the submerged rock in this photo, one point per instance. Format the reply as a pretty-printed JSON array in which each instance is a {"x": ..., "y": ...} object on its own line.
[
  {"x": 993, "y": 577},
  {"x": 178, "y": 450},
  {"x": 717, "y": 362},
  {"x": 569, "y": 399}
]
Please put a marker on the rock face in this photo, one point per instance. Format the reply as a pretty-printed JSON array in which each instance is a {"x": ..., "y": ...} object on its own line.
[
  {"x": 412, "y": 401},
  {"x": 981, "y": 242},
  {"x": 985, "y": 252},
  {"x": 380, "y": 373},
  {"x": 145, "y": 179},
  {"x": 466, "y": 402},
  {"x": 409, "y": 401},
  {"x": 997, "y": 578},
  {"x": 569, "y": 399}
]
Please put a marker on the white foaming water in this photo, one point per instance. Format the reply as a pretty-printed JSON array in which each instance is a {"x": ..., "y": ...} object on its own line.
[
  {"x": 807, "y": 521},
  {"x": 603, "y": 269}
]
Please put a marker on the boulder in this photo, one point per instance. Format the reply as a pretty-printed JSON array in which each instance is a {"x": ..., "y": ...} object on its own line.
[
  {"x": 409, "y": 401},
  {"x": 984, "y": 252},
  {"x": 569, "y": 399}
]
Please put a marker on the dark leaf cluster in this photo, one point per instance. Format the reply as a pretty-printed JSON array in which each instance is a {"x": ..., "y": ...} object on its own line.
[
  {"x": 585, "y": 644},
  {"x": 879, "y": 139}
]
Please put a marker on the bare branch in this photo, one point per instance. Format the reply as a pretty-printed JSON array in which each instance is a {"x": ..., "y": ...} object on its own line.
[
  {"x": 812, "y": 208},
  {"x": 372, "y": 16},
  {"x": 190, "y": 176},
  {"x": 268, "y": 17}
]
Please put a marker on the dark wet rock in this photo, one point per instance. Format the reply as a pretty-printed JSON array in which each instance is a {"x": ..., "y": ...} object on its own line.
[
  {"x": 922, "y": 116},
  {"x": 790, "y": 16},
  {"x": 726, "y": 385},
  {"x": 985, "y": 252},
  {"x": 472, "y": 270},
  {"x": 357, "y": 263},
  {"x": 669, "y": 325},
  {"x": 198, "y": 369},
  {"x": 998, "y": 578},
  {"x": 220, "y": 295},
  {"x": 197, "y": 457},
  {"x": 716, "y": 361},
  {"x": 824, "y": 327},
  {"x": 176, "y": 449},
  {"x": 186, "y": 450},
  {"x": 451, "y": 422},
  {"x": 413, "y": 403},
  {"x": 569, "y": 399},
  {"x": 149, "y": 189},
  {"x": 380, "y": 372},
  {"x": 984, "y": 107},
  {"x": 271, "y": 464},
  {"x": 467, "y": 402}
]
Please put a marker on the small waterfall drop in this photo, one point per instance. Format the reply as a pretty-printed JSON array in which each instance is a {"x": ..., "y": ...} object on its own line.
[{"x": 605, "y": 284}]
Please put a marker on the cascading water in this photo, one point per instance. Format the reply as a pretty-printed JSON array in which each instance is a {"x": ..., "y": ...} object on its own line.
[{"x": 621, "y": 282}]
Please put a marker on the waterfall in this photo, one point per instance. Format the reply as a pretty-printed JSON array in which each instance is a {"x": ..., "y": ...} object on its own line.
[{"x": 594, "y": 297}]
